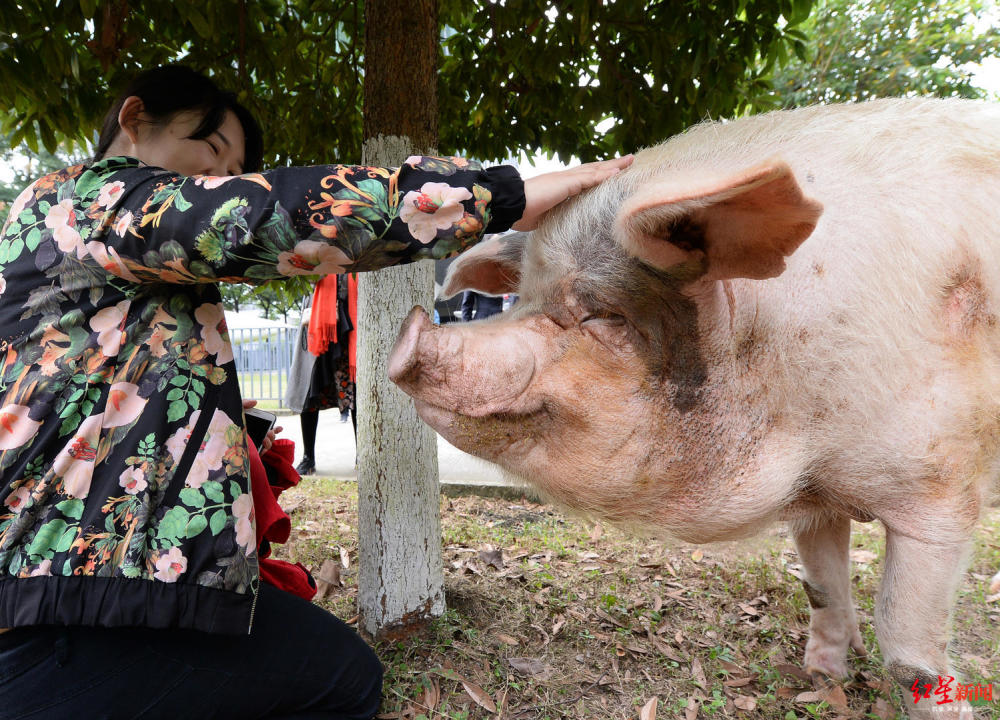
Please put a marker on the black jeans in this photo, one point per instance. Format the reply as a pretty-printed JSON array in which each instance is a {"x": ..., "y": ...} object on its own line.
[{"x": 299, "y": 662}]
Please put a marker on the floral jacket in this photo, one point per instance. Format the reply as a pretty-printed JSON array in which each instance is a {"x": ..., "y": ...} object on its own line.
[{"x": 124, "y": 479}]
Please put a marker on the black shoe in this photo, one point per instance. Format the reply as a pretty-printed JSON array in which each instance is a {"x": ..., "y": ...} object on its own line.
[{"x": 306, "y": 466}]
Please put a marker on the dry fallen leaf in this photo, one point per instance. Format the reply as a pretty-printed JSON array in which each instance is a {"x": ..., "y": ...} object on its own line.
[
  {"x": 480, "y": 696},
  {"x": 596, "y": 533},
  {"x": 492, "y": 557},
  {"x": 345, "y": 559},
  {"x": 648, "y": 711},
  {"x": 995, "y": 584},
  {"x": 808, "y": 697},
  {"x": 697, "y": 555},
  {"x": 507, "y": 639},
  {"x": 327, "y": 579},
  {"x": 528, "y": 666},
  {"x": 835, "y": 697},
  {"x": 691, "y": 711},
  {"x": 745, "y": 702},
  {"x": 698, "y": 673},
  {"x": 882, "y": 709},
  {"x": 748, "y": 609}
]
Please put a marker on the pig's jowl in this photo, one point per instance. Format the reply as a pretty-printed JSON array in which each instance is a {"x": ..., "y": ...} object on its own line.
[{"x": 785, "y": 317}]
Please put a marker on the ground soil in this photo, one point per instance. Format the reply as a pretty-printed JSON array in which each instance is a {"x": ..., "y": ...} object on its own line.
[{"x": 551, "y": 616}]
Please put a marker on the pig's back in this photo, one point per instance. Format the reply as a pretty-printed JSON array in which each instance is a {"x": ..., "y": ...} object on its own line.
[{"x": 886, "y": 318}]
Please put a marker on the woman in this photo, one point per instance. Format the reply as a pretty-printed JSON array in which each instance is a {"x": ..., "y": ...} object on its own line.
[{"x": 126, "y": 524}]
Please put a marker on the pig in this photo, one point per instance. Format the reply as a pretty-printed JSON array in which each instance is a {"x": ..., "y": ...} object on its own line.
[{"x": 791, "y": 316}]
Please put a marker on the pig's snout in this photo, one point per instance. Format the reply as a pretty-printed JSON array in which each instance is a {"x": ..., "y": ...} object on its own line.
[
  {"x": 404, "y": 358},
  {"x": 474, "y": 371}
]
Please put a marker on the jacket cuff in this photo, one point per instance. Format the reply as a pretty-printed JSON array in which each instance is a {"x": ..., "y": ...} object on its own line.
[{"x": 507, "y": 205}]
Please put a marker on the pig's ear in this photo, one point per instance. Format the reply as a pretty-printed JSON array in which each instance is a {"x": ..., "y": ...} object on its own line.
[
  {"x": 742, "y": 225},
  {"x": 493, "y": 267}
]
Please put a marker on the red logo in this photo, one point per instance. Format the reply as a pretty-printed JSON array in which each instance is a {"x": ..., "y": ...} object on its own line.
[{"x": 946, "y": 687}]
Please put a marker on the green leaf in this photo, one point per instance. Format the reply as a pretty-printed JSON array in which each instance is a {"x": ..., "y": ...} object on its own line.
[
  {"x": 72, "y": 508},
  {"x": 173, "y": 524},
  {"x": 196, "y": 526},
  {"x": 48, "y": 536},
  {"x": 192, "y": 497},
  {"x": 218, "y": 521},
  {"x": 66, "y": 541},
  {"x": 176, "y": 410},
  {"x": 213, "y": 490}
]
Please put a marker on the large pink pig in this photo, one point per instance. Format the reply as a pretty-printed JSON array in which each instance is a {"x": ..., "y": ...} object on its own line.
[{"x": 792, "y": 317}]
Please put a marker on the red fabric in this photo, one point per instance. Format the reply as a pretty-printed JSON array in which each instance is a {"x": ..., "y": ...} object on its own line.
[
  {"x": 323, "y": 316},
  {"x": 352, "y": 310},
  {"x": 273, "y": 523}
]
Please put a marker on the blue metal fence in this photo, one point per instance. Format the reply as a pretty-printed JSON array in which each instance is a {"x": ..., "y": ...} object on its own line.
[{"x": 263, "y": 360}]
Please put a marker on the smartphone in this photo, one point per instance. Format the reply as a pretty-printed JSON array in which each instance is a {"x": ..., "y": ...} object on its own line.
[{"x": 259, "y": 422}]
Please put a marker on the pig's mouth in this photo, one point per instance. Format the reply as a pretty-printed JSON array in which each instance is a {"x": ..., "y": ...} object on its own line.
[{"x": 492, "y": 438}]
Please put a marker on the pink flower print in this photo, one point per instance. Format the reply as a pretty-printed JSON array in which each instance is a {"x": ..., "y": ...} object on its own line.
[
  {"x": 213, "y": 447},
  {"x": 179, "y": 440},
  {"x": 170, "y": 565},
  {"x": 311, "y": 257},
  {"x": 110, "y": 260},
  {"x": 110, "y": 194},
  {"x": 61, "y": 219},
  {"x": 21, "y": 200},
  {"x": 123, "y": 223},
  {"x": 16, "y": 428},
  {"x": 108, "y": 323},
  {"x": 133, "y": 480},
  {"x": 124, "y": 404},
  {"x": 18, "y": 500},
  {"x": 44, "y": 568},
  {"x": 437, "y": 206},
  {"x": 75, "y": 462},
  {"x": 246, "y": 534},
  {"x": 214, "y": 333}
]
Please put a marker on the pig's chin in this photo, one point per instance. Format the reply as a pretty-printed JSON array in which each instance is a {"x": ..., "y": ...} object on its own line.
[{"x": 487, "y": 437}]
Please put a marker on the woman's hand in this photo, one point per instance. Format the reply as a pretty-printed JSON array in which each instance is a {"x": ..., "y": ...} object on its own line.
[
  {"x": 544, "y": 192},
  {"x": 271, "y": 434}
]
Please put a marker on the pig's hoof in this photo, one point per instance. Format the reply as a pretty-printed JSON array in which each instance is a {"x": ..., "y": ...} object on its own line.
[{"x": 826, "y": 662}]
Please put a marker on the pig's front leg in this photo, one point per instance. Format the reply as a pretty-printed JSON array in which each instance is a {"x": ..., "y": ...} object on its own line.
[
  {"x": 912, "y": 620},
  {"x": 823, "y": 543}
]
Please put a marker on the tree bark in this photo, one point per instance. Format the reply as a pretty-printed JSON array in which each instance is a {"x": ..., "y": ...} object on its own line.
[{"x": 400, "y": 576}]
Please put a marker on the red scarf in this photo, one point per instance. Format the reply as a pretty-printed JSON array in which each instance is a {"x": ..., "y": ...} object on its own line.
[{"x": 323, "y": 318}]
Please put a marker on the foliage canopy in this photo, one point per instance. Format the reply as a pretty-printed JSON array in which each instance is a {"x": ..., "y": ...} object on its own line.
[
  {"x": 862, "y": 49},
  {"x": 505, "y": 83}
]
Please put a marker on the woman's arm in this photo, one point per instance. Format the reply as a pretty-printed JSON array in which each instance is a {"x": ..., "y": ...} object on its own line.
[{"x": 145, "y": 224}]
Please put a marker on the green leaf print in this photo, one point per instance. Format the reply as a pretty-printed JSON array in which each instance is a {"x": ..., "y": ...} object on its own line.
[
  {"x": 175, "y": 394},
  {"x": 218, "y": 521},
  {"x": 196, "y": 526},
  {"x": 71, "y": 508},
  {"x": 33, "y": 239},
  {"x": 192, "y": 498},
  {"x": 173, "y": 524},
  {"x": 213, "y": 490},
  {"x": 176, "y": 410},
  {"x": 47, "y": 538}
]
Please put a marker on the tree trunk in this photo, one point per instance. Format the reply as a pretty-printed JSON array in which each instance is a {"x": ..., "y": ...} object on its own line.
[{"x": 400, "y": 576}]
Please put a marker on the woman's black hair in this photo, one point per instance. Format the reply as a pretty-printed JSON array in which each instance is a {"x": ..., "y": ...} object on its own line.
[{"x": 170, "y": 89}]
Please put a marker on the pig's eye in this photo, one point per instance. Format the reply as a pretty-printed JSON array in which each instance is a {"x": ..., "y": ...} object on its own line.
[
  {"x": 595, "y": 320},
  {"x": 603, "y": 325}
]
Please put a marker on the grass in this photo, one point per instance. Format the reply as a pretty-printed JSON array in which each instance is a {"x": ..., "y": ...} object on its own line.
[{"x": 553, "y": 617}]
